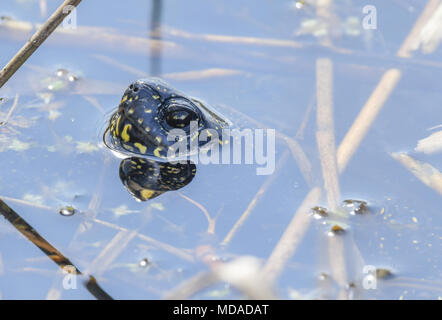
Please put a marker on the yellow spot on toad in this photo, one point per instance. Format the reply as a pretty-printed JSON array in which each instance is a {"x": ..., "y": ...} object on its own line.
[
  {"x": 147, "y": 194},
  {"x": 118, "y": 125},
  {"x": 140, "y": 147},
  {"x": 156, "y": 152},
  {"x": 124, "y": 135}
]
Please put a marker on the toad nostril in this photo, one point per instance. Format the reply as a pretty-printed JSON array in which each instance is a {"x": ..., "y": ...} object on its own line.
[{"x": 131, "y": 86}]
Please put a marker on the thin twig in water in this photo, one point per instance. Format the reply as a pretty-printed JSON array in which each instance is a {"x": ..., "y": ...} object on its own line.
[
  {"x": 297, "y": 151},
  {"x": 301, "y": 159},
  {"x": 8, "y": 116},
  {"x": 94, "y": 102},
  {"x": 366, "y": 117},
  {"x": 202, "y": 74},
  {"x": 211, "y": 221},
  {"x": 232, "y": 39},
  {"x": 124, "y": 67},
  {"x": 110, "y": 252},
  {"x": 27, "y": 203},
  {"x": 36, "y": 40},
  {"x": 292, "y": 236},
  {"x": 180, "y": 253},
  {"x": 300, "y": 133},
  {"x": 262, "y": 190},
  {"x": 56, "y": 256}
]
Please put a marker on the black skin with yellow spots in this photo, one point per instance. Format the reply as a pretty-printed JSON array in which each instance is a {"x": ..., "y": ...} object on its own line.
[
  {"x": 149, "y": 110},
  {"x": 146, "y": 179}
]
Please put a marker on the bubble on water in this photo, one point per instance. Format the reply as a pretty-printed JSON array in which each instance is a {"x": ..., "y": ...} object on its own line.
[
  {"x": 67, "y": 211},
  {"x": 323, "y": 276},
  {"x": 72, "y": 78},
  {"x": 144, "y": 263},
  {"x": 62, "y": 72}
]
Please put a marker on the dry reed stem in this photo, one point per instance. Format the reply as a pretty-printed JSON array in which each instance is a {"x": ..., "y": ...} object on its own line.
[
  {"x": 325, "y": 133},
  {"x": 27, "y": 203},
  {"x": 232, "y": 39},
  {"x": 426, "y": 173},
  {"x": 381, "y": 93},
  {"x": 262, "y": 190},
  {"x": 180, "y": 253},
  {"x": 325, "y": 137},
  {"x": 366, "y": 117},
  {"x": 297, "y": 151},
  {"x": 177, "y": 76},
  {"x": 95, "y": 103},
  {"x": 110, "y": 252},
  {"x": 192, "y": 286},
  {"x": 412, "y": 41},
  {"x": 211, "y": 221},
  {"x": 11, "y": 110},
  {"x": 292, "y": 236},
  {"x": 301, "y": 159},
  {"x": 122, "y": 66},
  {"x": 202, "y": 74}
]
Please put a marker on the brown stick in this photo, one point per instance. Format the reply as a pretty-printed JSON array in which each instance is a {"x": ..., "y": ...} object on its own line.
[
  {"x": 36, "y": 41},
  {"x": 56, "y": 256}
]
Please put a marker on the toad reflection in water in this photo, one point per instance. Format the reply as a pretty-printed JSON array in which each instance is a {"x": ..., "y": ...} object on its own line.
[{"x": 146, "y": 179}]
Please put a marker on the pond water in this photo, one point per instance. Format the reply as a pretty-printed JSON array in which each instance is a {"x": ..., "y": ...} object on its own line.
[{"x": 257, "y": 64}]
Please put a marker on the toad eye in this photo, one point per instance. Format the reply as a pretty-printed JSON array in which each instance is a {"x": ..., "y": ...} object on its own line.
[{"x": 180, "y": 118}]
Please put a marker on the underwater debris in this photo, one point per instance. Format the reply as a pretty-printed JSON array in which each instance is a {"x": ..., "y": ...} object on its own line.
[
  {"x": 336, "y": 230},
  {"x": 319, "y": 212},
  {"x": 382, "y": 273},
  {"x": 67, "y": 211},
  {"x": 355, "y": 206}
]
